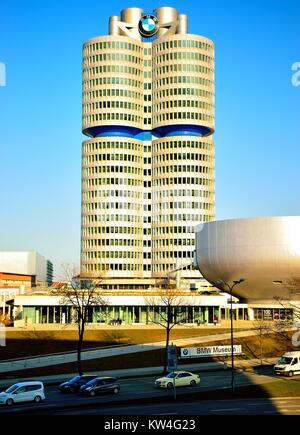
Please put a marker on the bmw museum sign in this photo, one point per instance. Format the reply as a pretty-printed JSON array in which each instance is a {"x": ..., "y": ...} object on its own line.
[
  {"x": 148, "y": 25},
  {"x": 194, "y": 352}
]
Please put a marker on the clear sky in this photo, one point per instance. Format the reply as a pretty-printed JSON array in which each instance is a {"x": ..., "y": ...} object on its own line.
[{"x": 257, "y": 112}]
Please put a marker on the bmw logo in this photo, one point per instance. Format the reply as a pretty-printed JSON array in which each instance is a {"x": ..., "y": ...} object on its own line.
[
  {"x": 148, "y": 25},
  {"x": 185, "y": 352}
]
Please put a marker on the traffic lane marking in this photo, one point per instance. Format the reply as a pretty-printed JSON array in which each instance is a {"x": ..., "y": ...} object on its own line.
[{"x": 225, "y": 409}]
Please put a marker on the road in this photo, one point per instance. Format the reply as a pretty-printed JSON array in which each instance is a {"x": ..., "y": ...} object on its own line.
[
  {"x": 203, "y": 407},
  {"x": 140, "y": 388}
]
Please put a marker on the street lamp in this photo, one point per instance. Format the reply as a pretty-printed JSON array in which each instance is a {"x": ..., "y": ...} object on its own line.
[{"x": 230, "y": 288}]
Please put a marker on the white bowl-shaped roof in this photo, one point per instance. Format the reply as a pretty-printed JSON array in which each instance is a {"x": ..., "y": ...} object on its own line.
[{"x": 263, "y": 251}]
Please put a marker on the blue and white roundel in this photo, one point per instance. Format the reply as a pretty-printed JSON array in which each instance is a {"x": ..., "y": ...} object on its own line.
[{"x": 148, "y": 25}]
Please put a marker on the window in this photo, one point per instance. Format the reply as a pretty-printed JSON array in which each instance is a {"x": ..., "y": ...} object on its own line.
[{"x": 33, "y": 387}]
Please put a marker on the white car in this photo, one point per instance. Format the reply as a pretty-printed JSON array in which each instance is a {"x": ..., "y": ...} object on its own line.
[
  {"x": 32, "y": 391},
  {"x": 181, "y": 379}
]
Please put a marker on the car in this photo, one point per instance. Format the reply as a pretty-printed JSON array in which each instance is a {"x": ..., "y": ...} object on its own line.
[
  {"x": 30, "y": 391},
  {"x": 74, "y": 384},
  {"x": 181, "y": 379},
  {"x": 288, "y": 364},
  {"x": 99, "y": 386}
]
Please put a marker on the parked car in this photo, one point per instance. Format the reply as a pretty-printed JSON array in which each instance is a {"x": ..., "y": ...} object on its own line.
[
  {"x": 31, "y": 391},
  {"x": 288, "y": 364},
  {"x": 99, "y": 386},
  {"x": 74, "y": 384},
  {"x": 181, "y": 379}
]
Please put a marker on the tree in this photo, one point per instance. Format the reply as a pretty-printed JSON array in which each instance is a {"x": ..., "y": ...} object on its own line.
[
  {"x": 262, "y": 329},
  {"x": 165, "y": 310},
  {"x": 291, "y": 319},
  {"x": 80, "y": 293}
]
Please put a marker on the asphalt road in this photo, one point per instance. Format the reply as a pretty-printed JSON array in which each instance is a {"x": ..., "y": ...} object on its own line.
[
  {"x": 142, "y": 387},
  {"x": 203, "y": 407}
]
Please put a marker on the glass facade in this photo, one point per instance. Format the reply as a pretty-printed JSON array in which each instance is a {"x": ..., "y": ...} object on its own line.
[{"x": 125, "y": 314}]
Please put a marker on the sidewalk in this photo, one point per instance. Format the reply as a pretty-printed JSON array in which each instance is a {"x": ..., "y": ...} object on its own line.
[
  {"x": 50, "y": 360},
  {"x": 148, "y": 371}
]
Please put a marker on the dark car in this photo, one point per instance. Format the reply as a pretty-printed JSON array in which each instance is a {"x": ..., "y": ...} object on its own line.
[
  {"x": 74, "y": 384},
  {"x": 99, "y": 386}
]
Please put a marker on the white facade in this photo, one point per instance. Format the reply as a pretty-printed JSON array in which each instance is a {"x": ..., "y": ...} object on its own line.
[{"x": 24, "y": 263}]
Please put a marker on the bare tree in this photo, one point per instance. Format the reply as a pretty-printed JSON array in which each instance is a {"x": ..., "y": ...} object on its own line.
[
  {"x": 262, "y": 329},
  {"x": 291, "y": 315},
  {"x": 81, "y": 294},
  {"x": 165, "y": 310},
  {"x": 290, "y": 303}
]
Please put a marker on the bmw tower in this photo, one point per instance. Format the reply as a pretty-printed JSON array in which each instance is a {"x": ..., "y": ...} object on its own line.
[{"x": 148, "y": 165}]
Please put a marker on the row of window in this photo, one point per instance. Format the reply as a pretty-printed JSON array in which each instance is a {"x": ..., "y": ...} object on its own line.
[
  {"x": 113, "y": 169},
  {"x": 111, "y": 242},
  {"x": 120, "y": 57},
  {"x": 172, "y": 242},
  {"x": 181, "y": 204},
  {"x": 183, "y": 55},
  {"x": 111, "y": 206},
  {"x": 112, "y": 230},
  {"x": 163, "y": 255},
  {"x": 182, "y": 43},
  {"x": 90, "y": 107},
  {"x": 178, "y": 217},
  {"x": 182, "y": 68},
  {"x": 116, "y": 157},
  {"x": 91, "y": 119},
  {"x": 100, "y": 117},
  {"x": 184, "y": 115},
  {"x": 91, "y": 84},
  {"x": 156, "y": 268},
  {"x": 90, "y": 255},
  {"x": 112, "y": 266},
  {"x": 157, "y": 208},
  {"x": 172, "y": 169},
  {"x": 167, "y": 144},
  {"x": 118, "y": 69},
  {"x": 116, "y": 181},
  {"x": 182, "y": 156},
  {"x": 166, "y": 181},
  {"x": 186, "y": 80},
  {"x": 183, "y": 180},
  {"x": 197, "y": 92},
  {"x": 91, "y": 146},
  {"x": 112, "y": 92},
  {"x": 93, "y": 218},
  {"x": 113, "y": 194},
  {"x": 121, "y": 45},
  {"x": 269, "y": 314},
  {"x": 174, "y": 104},
  {"x": 111, "y": 105},
  {"x": 158, "y": 195},
  {"x": 165, "y": 230},
  {"x": 108, "y": 45}
]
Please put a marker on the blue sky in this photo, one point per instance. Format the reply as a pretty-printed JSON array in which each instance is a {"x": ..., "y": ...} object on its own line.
[{"x": 257, "y": 112}]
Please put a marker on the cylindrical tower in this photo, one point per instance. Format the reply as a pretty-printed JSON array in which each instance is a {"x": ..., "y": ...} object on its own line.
[
  {"x": 183, "y": 85},
  {"x": 112, "y": 161},
  {"x": 183, "y": 155},
  {"x": 183, "y": 195},
  {"x": 112, "y": 85}
]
